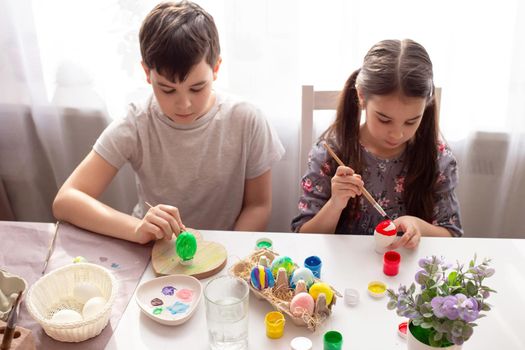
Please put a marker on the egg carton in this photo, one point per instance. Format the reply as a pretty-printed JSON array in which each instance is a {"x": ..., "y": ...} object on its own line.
[
  {"x": 10, "y": 286},
  {"x": 278, "y": 297}
]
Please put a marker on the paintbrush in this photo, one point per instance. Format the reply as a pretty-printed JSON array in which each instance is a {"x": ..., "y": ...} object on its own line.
[
  {"x": 11, "y": 324},
  {"x": 365, "y": 192},
  {"x": 51, "y": 246},
  {"x": 182, "y": 228}
]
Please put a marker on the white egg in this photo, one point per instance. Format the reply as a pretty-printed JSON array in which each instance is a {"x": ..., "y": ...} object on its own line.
[
  {"x": 85, "y": 291},
  {"x": 93, "y": 306},
  {"x": 66, "y": 316}
]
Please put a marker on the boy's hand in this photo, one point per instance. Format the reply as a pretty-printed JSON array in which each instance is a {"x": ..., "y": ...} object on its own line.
[
  {"x": 411, "y": 226},
  {"x": 161, "y": 222},
  {"x": 345, "y": 185}
]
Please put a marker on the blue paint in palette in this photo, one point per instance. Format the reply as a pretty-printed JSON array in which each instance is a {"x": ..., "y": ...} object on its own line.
[{"x": 178, "y": 308}]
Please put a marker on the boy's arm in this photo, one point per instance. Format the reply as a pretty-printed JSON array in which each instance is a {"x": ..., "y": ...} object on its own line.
[
  {"x": 76, "y": 201},
  {"x": 257, "y": 204}
]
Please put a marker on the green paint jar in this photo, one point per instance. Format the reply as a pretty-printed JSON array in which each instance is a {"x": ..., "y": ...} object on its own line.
[{"x": 263, "y": 243}]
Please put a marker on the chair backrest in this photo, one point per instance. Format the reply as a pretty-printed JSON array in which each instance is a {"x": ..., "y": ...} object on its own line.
[{"x": 313, "y": 100}]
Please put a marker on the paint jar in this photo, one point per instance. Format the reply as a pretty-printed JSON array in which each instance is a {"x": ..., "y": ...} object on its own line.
[
  {"x": 377, "y": 289},
  {"x": 391, "y": 261},
  {"x": 226, "y": 300},
  {"x": 333, "y": 340},
  {"x": 351, "y": 296},
  {"x": 314, "y": 264},
  {"x": 262, "y": 243},
  {"x": 402, "y": 329},
  {"x": 301, "y": 343},
  {"x": 274, "y": 322}
]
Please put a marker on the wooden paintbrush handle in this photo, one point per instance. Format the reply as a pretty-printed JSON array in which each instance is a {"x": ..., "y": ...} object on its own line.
[
  {"x": 367, "y": 195},
  {"x": 8, "y": 337}
]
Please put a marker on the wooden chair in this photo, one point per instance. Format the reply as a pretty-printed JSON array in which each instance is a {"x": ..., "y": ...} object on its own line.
[{"x": 313, "y": 100}]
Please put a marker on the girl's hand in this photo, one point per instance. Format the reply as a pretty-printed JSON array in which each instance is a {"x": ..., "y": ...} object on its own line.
[
  {"x": 412, "y": 228},
  {"x": 345, "y": 185},
  {"x": 160, "y": 222}
]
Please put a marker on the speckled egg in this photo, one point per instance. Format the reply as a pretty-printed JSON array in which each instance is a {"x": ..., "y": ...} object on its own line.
[
  {"x": 284, "y": 262},
  {"x": 320, "y": 287},
  {"x": 302, "y": 273},
  {"x": 302, "y": 303},
  {"x": 261, "y": 277}
]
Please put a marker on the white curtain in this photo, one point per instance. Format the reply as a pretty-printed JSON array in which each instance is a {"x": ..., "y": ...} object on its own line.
[{"x": 85, "y": 56}]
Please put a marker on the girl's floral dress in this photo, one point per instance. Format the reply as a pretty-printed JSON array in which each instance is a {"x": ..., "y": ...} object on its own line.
[{"x": 385, "y": 180}]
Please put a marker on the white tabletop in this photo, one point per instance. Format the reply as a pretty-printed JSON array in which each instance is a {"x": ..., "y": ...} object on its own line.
[{"x": 349, "y": 262}]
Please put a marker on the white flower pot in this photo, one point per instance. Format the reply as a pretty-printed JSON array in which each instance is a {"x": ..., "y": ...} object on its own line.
[{"x": 414, "y": 344}]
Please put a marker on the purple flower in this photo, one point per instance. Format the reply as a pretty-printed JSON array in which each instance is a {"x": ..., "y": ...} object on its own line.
[
  {"x": 456, "y": 306},
  {"x": 488, "y": 272},
  {"x": 468, "y": 308},
  {"x": 423, "y": 262},
  {"x": 445, "y": 307}
]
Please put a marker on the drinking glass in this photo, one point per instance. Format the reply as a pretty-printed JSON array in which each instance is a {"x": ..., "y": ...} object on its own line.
[{"x": 226, "y": 301}]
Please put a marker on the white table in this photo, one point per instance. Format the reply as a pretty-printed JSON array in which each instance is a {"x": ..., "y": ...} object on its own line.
[{"x": 349, "y": 261}]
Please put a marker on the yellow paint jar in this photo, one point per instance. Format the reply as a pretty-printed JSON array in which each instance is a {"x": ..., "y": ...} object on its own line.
[
  {"x": 274, "y": 322},
  {"x": 377, "y": 289}
]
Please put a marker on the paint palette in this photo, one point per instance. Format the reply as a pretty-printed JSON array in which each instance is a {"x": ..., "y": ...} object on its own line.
[{"x": 170, "y": 300}]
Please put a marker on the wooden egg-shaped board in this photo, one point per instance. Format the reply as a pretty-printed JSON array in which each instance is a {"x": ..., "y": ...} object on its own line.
[{"x": 209, "y": 259}]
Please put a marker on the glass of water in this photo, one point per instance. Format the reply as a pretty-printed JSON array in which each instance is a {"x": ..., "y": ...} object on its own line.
[{"x": 226, "y": 300}]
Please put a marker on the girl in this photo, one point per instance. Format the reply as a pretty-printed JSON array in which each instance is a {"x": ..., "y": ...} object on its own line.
[{"x": 395, "y": 154}]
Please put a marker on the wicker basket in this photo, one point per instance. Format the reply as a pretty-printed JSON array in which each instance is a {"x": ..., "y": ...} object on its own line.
[
  {"x": 279, "y": 299},
  {"x": 54, "y": 292}
]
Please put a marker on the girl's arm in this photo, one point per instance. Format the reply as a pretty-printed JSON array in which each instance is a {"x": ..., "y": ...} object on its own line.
[
  {"x": 76, "y": 202},
  {"x": 325, "y": 221},
  {"x": 257, "y": 204},
  {"x": 344, "y": 185}
]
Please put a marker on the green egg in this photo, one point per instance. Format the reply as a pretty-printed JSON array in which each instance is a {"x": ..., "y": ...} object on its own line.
[{"x": 186, "y": 245}]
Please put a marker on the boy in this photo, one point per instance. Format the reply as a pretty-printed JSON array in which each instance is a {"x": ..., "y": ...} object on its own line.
[{"x": 201, "y": 158}]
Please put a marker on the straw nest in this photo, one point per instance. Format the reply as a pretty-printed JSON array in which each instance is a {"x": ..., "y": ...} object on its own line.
[{"x": 280, "y": 297}]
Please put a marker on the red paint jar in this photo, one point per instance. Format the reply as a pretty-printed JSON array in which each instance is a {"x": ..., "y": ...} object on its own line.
[{"x": 391, "y": 261}]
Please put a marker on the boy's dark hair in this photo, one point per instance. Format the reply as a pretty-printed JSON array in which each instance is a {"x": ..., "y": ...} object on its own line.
[
  {"x": 393, "y": 66},
  {"x": 177, "y": 35}
]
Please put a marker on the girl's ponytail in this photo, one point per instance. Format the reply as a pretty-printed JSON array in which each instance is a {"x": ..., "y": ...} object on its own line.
[{"x": 344, "y": 132}]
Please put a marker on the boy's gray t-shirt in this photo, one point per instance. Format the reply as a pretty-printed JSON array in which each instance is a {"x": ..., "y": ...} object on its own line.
[{"x": 199, "y": 168}]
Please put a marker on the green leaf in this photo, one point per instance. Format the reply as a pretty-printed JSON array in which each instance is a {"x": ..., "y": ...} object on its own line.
[
  {"x": 391, "y": 305},
  {"x": 438, "y": 336},
  {"x": 434, "y": 343},
  {"x": 452, "y": 277},
  {"x": 467, "y": 331},
  {"x": 426, "y": 325},
  {"x": 471, "y": 288}
]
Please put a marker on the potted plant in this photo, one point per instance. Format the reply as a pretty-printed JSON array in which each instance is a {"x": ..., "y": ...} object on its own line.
[{"x": 445, "y": 304}]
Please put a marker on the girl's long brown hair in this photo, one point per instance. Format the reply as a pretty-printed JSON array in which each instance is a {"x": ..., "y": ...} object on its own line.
[{"x": 392, "y": 66}]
